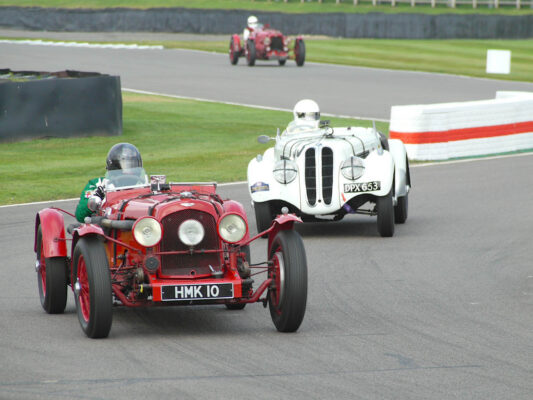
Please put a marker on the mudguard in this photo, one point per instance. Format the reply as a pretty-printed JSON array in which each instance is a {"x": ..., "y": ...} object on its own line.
[
  {"x": 53, "y": 231},
  {"x": 401, "y": 176},
  {"x": 280, "y": 223},
  {"x": 237, "y": 47},
  {"x": 234, "y": 207}
]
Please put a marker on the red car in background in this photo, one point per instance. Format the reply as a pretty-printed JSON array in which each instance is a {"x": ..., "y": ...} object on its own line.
[
  {"x": 166, "y": 244},
  {"x": 265, "y": 43}
]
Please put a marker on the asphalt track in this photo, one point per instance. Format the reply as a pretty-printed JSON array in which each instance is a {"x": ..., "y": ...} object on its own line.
[
  {"x": 360, "y": 92},
  {"x": 443, "y": 310}
]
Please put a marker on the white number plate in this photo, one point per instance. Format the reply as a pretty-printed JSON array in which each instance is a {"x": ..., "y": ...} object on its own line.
[
  {"x": 197, "y": 292},
  {"x": 362, "y": 187}
]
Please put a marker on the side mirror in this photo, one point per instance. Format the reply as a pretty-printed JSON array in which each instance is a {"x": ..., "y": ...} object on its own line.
[
  {"x": 263, "y": 139},
  {"x": 94, "y": 203}
]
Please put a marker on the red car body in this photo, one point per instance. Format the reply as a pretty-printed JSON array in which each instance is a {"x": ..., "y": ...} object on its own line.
[
  {"x": 267, "y": 44},
  {"x": 104, "y": 263}
]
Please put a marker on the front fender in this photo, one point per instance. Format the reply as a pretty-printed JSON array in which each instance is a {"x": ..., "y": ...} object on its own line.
[
  {"x": 237, "y": 47},
  {"x": 52, "y": 226},
  {"x": 280, "y": 223},
  {"x": 85, "y": 230}
]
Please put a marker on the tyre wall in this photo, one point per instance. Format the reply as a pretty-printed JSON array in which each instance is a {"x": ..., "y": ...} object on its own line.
[
  {"x": 473, "y": 128},
  {"x": 371, "y": 25},
  {"x": 62, "y": 104}
]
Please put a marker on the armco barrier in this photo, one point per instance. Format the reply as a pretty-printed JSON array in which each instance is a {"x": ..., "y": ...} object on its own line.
[
  {"x": 465, "y": 129},
  {"x": 60, "y": 104}
]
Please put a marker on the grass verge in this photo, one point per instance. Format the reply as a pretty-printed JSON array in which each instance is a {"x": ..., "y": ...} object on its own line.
[
  {"x": 186, "y": 140},
  {"x": 292, "y": 6}
]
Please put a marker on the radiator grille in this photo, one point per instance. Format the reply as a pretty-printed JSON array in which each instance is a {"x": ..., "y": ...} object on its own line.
[
  {"x": 310, "y": 176},
  {"x": 276, "y": 43},
  {"x": 188, "y": 264},
  {"x": 327, "y": 174}
]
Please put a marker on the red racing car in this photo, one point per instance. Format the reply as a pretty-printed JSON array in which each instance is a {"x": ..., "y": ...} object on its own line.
[
  {"x": 266, "y": 44},
  {"x": 166, "y": 244}
]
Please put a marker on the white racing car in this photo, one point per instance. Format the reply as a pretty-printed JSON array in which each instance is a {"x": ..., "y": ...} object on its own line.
[{"x": 323, "y": 173}]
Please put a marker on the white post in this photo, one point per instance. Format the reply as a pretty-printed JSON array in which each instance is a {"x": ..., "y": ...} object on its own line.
[
  {"x": 354, "y": 2},
  {"x": 474, "y": 3},
  {"x": 433, "y": 3},
  {"x": 413, "y": 3},
  {"x": 393, "y": 3},
  {"x": 517, "y": 3}
]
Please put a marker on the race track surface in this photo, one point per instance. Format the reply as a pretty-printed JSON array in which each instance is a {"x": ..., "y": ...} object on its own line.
[
  {"x": 360, "y": 92},
  {"x": 443, "y": 310}
]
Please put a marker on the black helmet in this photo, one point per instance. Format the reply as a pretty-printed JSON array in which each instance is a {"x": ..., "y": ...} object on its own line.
[{"x": 123, "y": 156}]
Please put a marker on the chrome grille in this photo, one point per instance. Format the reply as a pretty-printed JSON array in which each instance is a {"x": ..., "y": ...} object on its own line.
[
  {"x": 327, "y": 174},
  {"x": 188, "y": 264},
  {"x": 310, "y": 176}
]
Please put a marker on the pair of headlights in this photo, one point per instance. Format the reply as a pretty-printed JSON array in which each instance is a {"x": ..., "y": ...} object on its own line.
[
  {"x": 285, "y": 171},
  {"x": 148, "y": 232}
]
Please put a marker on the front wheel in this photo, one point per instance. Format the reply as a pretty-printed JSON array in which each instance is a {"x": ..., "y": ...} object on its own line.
[
  {"x": 250, "y": 54},
  {"x": 51, "y": 279},
  {"x": 287, "y": 295},
  {"x": 386, "y": 215},
  {"x": 92, "y": 287},
  {"x": 299, "y": 52},
  {"x": 233, "y": 55}
]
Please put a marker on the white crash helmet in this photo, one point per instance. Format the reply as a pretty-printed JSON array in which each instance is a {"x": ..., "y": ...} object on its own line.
[
  {"x": 253, "y": 22},
  {"x": 306, "y": 110}
]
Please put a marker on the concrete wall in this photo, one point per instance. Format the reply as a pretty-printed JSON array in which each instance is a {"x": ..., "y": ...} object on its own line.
[{"x": 372, "y": 25}]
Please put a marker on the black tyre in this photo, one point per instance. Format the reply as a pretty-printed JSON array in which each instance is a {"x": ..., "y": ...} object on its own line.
[
  {"x": 51, "y": 279},
  {"x": 400, "y": 210},
  {"x": 263, "y": 216},
  {"x": 239, "y": 306},
  {"x": 233, "y": 55},
  {"x": 386, "y": 215},
  {"x": 287, "y": 295},
  {"x": 282, "y": 61},
  {"x": 250, "y": 55},
  {"x": 92, "y": 287},
  {"x": 299, "y": 52}
]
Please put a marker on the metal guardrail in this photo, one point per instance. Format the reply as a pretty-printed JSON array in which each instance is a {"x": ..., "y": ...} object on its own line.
[{"x": 434, "y": 3}]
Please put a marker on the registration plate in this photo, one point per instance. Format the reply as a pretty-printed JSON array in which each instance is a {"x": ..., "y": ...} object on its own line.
[
  {"x": 207, "y": 291},
  {"x": 362, "y": 187}
]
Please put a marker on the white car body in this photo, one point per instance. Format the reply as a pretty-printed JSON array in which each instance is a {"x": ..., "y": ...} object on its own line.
[{"x": 320, "y": 190}]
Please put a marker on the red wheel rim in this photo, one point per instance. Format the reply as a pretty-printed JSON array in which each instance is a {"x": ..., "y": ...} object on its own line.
[
  {"x": 42, "y": 269},
  {"x": 277, "y": 281},
  {"x": 84, "y": 299}
]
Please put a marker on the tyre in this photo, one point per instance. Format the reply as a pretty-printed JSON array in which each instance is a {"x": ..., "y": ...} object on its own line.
[
  {"x": 400, "y": 210},
  {"x": 92, "y": 287},
  {"x": 239, "y": 306},
  {"x": 233, "y": 55},
  {"x": 263, "y": 216},
  {"x": 51, "y": 279},
  {"x": 299, "y": 52},
  {"x": 287, "y": 295},
  {"x": 250, "y": 54},
  {"x": 386, "y": 215},
  {"x": 282, "y": 61}
]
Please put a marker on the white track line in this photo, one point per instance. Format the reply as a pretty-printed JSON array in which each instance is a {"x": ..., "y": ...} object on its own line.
[{"x": 38, "y": 42}]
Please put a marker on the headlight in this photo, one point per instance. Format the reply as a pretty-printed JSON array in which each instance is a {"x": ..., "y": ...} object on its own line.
[
  {"x": 353, "y": 168},
  {"x": 267, "y": 41},
  {"x": 191, "y": 232},
  {"x": 232, "y": 228},
  {"x": 285, "y": 171},
  {"x": 147, "y": 231}
]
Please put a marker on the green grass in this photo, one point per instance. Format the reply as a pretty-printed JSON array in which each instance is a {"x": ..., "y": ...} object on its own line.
[
  {"x": 293, "y": 6},
  {"x": 174, "y": 136}
]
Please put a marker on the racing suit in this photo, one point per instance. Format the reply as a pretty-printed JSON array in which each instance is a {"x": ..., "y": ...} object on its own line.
[{"x": 82, "y": 210}]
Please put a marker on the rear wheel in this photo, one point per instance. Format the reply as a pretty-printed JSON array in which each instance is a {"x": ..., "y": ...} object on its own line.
[
  {"x": 233, "y": 55},
  {"x": 92, "y": 287},
  {"x": 400, "y": 210},
  {"x": 51, "y": 279},
  {"x": 386, "y": 215},
  {"x": 299, "y": 52},
  {"x": 263, "y": 216},
  {"x": 287, "y": 295},
  {"x": 250, "y": 54}
]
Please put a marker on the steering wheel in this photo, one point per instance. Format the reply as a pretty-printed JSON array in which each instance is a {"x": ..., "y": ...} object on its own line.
[{"x": 126, "y": 180}]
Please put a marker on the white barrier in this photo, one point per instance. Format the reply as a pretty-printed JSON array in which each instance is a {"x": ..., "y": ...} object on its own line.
[{"x": 465, "y": 129}]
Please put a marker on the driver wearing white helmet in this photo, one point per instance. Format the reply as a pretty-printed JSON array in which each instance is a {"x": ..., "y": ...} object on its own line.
[
  {"x": 252, "y": 24},
  {"x": 306, "y": 117}
]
